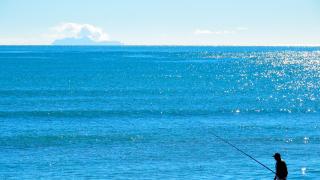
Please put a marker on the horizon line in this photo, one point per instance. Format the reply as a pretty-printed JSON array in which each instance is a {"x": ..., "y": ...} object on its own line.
[{"x": 143, "y": 44}]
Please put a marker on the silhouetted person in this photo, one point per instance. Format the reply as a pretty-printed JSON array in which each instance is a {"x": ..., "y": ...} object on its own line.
[{"x": 281, "y": 168}]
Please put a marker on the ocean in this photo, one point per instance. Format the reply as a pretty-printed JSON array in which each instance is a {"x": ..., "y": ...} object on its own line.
[{"x": 152, "y": 112}]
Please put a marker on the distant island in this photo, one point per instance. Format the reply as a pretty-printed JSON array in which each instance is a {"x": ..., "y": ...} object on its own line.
[{"x": 85, "y": 41}]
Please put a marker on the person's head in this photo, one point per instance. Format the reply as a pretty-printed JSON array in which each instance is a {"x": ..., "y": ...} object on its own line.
[{"x": 277, "y": 157}]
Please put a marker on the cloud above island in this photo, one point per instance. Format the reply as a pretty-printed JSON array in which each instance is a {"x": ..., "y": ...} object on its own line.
[{"x": 76, "y": 30}]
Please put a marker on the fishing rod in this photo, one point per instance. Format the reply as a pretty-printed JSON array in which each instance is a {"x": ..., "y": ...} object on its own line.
[{"x": 227, "y": 142}]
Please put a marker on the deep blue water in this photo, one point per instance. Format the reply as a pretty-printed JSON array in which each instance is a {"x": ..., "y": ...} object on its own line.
[{"x": 133, "y": 112}]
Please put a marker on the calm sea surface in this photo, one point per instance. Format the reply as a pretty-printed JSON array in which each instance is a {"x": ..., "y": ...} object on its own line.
[{"x": 133, "y": 112}]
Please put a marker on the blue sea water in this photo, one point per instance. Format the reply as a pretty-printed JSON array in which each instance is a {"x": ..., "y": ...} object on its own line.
[{"x": 139, "y": 112}]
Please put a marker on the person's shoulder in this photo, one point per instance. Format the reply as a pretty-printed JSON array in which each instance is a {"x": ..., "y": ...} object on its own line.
[{"x": 283, "y": 162}]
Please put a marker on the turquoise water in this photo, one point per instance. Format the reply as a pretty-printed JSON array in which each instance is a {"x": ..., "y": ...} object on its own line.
[{"x": 133, "y": 112}]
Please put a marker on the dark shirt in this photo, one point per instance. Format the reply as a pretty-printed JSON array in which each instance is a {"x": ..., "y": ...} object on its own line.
[{"x": 281, "y": 169}]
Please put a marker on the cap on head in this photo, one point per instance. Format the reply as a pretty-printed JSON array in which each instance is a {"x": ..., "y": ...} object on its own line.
[{"x": 277, "y": 155}]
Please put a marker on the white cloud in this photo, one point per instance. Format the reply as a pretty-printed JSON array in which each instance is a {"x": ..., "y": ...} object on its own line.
[
  {"x": 205, "y": 31},
  {"x": 202, "y": 31},
  {"x": 75, "y": 30},
  {"x": 221, "y": 32}
]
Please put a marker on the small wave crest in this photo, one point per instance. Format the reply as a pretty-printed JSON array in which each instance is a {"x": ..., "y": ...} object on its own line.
[
  {"x": 145, "y": 113},
  {"x": 29, "y": 141}
]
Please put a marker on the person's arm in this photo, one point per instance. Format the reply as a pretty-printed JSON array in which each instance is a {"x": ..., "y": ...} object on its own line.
[
  {"x": 286, "y": 169},
  {"x": 275, "y": 176}
]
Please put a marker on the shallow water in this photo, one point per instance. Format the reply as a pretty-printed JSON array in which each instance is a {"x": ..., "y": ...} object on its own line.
[{"x": 135, "y": 112}]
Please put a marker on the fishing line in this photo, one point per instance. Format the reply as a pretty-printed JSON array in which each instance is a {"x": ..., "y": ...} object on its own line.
[
  {"x": 230, "y": 144},
  {"x": 227, "y": 142}
]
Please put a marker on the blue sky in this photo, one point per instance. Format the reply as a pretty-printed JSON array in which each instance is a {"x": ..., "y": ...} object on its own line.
[{"x": 162, "y": 22}]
